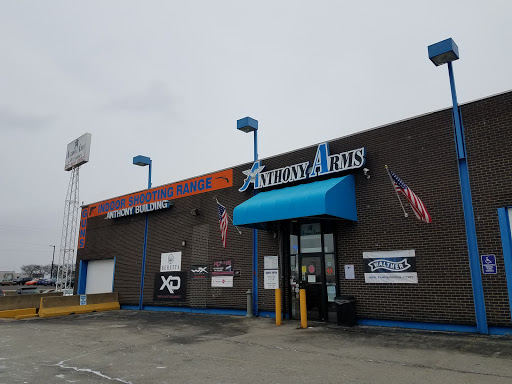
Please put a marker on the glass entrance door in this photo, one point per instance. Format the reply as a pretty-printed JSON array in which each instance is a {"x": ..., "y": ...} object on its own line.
[
  {"x": 313, "y": 281},
  {"x": 313, "y": 267}
]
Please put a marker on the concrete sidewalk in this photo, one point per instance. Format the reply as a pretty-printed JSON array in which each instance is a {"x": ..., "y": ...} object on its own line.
[{"x": 166, "y": 347}]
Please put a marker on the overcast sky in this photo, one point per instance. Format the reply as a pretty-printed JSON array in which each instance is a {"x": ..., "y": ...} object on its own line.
[{"x": 169, "y": 79}]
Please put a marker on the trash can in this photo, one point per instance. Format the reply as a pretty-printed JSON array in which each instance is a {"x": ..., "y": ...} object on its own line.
[{"x": 345, "y": 310}]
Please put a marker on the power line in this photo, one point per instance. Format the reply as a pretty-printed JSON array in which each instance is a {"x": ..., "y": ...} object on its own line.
[
  {"x": 23, "y": 242},
  {"x": 23, "y": 250},
  {"x": 44, "y": 229}
]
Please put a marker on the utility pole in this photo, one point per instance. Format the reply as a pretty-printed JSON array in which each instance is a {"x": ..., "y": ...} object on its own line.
[{"x": 53, "y": 258}]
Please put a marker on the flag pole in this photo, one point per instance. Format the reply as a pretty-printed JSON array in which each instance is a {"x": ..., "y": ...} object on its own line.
[
  {"x": 239, "y": 232},
  {"x": 398, "y": 197}
]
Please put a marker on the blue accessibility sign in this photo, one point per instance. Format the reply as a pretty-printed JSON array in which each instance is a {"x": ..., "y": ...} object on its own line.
[{"x": 489, "y": 264}]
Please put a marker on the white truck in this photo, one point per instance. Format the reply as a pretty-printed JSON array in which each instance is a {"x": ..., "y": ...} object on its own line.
[{"x": 6, "y": 277}]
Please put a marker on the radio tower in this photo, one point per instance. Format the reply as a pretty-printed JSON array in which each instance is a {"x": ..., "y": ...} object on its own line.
[{"x": 68, "y": 238}]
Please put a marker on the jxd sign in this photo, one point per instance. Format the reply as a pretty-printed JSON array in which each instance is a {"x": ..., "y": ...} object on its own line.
[{"x": 170, "y": 286}]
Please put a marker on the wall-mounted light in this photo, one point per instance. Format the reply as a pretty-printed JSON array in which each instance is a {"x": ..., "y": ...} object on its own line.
[
  {"x": 183, "y": 243},
  {"x": 366, "y": 172},
  {"x": 194, "y": 212}
]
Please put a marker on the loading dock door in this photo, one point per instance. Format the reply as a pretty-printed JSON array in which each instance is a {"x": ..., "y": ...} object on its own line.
[{"x": 100, "y": 276}]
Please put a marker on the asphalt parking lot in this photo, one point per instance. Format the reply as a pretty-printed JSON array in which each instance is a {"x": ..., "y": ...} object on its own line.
[{"x": 166, "y": 347}]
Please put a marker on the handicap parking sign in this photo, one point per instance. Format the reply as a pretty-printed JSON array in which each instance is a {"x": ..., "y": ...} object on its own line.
[{"x": 489, "y": 264}]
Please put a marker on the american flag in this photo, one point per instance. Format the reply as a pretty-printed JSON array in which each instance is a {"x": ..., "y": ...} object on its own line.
[
  {"x": 417, "y": 205},
  {"x": 223, "y": 222}
]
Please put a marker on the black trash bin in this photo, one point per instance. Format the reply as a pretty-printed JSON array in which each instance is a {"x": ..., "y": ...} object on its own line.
[{"x": 345, "y": 310}]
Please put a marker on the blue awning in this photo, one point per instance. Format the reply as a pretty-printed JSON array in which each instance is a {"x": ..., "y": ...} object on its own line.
[{"x": 327, "y": 198}]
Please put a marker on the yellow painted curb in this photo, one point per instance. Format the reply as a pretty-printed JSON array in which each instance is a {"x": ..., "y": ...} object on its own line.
[
  {"x": 21, "y": 317},
  {"x": 62, "y": 311},
  {"x": 12, "y": 313}
]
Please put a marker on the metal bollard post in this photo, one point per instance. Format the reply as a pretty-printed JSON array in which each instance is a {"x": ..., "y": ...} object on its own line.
[
  {"x": 249, "y": 303},
  {"x": 278, "y": 307},
  {"x": 303, "y": 310}
]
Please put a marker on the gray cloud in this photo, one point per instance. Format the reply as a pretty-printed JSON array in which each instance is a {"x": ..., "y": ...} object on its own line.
[
  {"x": 154, "y": 97},
  {"x": 14, "y": 120}
]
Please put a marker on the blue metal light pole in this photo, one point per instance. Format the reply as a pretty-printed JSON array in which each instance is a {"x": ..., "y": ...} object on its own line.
[
  {"x": 440, "y": 53},
  {"x": 143, "y": 161},
  {"x": 247, "y": 125}
]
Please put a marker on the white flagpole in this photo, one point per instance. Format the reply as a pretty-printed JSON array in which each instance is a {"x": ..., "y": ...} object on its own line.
[{"x": 393, "y": 185}]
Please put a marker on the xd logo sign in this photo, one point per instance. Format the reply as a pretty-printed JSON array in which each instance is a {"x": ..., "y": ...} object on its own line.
[
  {"x": 167, "y": 283},
  {"x": 170, "y": 286}
]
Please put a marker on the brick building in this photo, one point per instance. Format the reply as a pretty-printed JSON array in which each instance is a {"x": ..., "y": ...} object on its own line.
[{"x": 335, "y": 224}]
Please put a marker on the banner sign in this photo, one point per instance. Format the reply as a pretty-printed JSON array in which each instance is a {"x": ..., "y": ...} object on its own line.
[
  {"x": 170, "y": 286},
  {"x": 77, "y": 152},
  {"x": 323, "y": 164},
  {"x": 170, "y": 262},
  {"x": 222, "y": 268},
  {"x": 222, "y": 281},
  {"x": 199, "y": 271},
  {"x": 83, "y": 228},
  {"x": 207, "y": 183},
  {"x": 390, "y": 267}
]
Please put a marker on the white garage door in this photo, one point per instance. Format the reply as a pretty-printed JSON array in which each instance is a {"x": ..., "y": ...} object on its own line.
[{"x": 100, "y": 276}]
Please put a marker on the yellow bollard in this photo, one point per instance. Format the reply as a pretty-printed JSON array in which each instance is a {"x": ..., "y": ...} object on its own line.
[
  {"x": 303, "y": 309},
  {"x": 278, "y": 307}
]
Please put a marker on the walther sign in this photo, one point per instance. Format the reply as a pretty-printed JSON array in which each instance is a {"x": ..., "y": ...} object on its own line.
[
  {"x": 78, "y": 152},
  {"x": 323, "y": 164}
]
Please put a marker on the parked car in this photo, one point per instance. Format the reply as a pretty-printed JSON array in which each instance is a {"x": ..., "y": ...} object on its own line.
[
  {"x": 50, "y": 281},
  {"x": 22, "y": 280},
  {"x": 2, "y": 293},
  {"x": 32, "y": 282},
  {"x": 27, "y": 290}
]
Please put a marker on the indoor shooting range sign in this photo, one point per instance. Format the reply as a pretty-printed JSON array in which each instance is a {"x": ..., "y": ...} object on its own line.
[{"x": 170, "y": 286}]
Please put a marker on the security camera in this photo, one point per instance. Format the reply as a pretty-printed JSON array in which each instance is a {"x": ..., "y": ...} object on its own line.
[{"x": 365, "y": 172}]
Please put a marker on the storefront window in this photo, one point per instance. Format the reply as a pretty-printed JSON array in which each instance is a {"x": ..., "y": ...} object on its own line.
[
  {"x": 294, "y": 244},
  {"x": 310, "y": 238},
  {"x": 328, "y": 243},
  {"x": 330, "y": 276}
]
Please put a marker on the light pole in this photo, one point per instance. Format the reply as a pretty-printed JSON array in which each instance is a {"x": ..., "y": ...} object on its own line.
[
  {"x": 440, "y": 53},
  {"x": 247, "y": 125},
  {"x": 143, "y": 161},
  {"x": 53, "y": 258}
]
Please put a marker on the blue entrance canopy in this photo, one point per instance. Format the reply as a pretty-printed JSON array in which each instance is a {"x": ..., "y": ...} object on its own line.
[{"x": 328, "y": 198}]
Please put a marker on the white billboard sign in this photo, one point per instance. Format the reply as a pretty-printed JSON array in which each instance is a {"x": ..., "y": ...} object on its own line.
[
  {"x": 390, "y": 267},
  {"x": 222, "y": 281},
  {"x": 78, "y": 152},
  {"x": 170, "y": 262}
]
